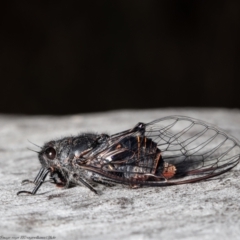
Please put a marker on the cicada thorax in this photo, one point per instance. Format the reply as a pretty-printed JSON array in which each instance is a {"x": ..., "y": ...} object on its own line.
[{"x": 137, "y": 158}]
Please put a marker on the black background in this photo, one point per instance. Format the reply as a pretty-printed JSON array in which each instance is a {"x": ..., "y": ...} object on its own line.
[{"x": 63, "y": 57}]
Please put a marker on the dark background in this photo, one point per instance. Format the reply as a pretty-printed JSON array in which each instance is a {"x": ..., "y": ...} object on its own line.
[{"x": 60, "y": 57}]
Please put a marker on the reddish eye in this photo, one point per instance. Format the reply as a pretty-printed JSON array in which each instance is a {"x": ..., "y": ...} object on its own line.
[{"x": 50, "y": 153}]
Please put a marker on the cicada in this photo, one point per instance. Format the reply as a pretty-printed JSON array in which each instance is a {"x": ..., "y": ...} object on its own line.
[{"x": 168, "y": 151}]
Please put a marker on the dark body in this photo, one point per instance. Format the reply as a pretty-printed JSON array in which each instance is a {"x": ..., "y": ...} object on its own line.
[{"x": 168, "y": 151}]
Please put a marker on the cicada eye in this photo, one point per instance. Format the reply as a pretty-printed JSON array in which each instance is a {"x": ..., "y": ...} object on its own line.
[{"x": 50, "y": 153}]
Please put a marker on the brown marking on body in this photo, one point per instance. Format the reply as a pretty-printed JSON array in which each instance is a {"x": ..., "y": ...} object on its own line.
[
  {"x": 139, "y": 145},
  {"x": 157, "y": 160},
  {"x": 169, "y": 170},
  {"x": 118, "y": 146}
]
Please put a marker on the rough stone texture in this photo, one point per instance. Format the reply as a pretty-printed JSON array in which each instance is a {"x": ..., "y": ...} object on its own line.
[{"x": 204, "y": 210}]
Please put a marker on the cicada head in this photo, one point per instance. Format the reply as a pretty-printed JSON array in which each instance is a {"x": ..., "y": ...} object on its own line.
[{"x": 59, "y": 155}]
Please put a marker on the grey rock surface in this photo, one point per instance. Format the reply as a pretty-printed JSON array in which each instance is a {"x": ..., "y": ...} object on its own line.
[{"x": 203, "y": 210}]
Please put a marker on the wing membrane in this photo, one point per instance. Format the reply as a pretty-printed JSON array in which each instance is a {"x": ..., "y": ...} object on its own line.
[{"x": 167, "y": 151}]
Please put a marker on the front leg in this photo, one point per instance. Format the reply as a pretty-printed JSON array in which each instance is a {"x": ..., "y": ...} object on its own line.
[{"x": 38, "y": 181}]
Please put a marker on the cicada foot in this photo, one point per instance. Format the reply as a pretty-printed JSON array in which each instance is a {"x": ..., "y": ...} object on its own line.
[
  {"x": 27, "y": 181},
  {"x": 27, "y": 192}
]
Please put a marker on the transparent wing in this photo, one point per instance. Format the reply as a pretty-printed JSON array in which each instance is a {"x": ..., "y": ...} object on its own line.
[
  {"x": 167, "y": 151},
  {"x": 196, "y": 148}
]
